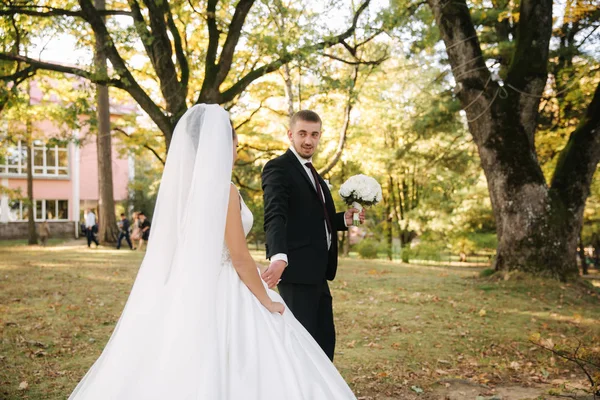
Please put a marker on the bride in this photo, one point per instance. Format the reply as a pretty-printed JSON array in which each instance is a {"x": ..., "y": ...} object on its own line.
[{"x": 199, "y": 323}]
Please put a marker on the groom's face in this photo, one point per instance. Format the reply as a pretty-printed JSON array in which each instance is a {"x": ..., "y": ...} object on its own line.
[{"x": 305, "y": 136}]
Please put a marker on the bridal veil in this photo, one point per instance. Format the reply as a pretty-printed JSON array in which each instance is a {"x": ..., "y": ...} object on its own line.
[{"x": 163, "y": 345}]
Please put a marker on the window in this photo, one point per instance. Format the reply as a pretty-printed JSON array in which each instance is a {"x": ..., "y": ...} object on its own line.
[
  {"x": 49, "y": 159},
  {"x": 15, "y": 160},
  {"x": 14, "y": 211},
  {"x": 57, "y": 210}
]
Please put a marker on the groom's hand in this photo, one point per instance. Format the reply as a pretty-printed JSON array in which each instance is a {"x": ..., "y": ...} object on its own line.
[
  {"x": 350, "y": 214},
  {"x": 273, "y": 274}
]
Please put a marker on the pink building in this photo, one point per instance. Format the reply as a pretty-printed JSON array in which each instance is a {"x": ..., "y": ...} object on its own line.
[{"x": 65, "y": 178}]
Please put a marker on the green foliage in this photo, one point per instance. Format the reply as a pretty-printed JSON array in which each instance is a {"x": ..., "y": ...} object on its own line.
[
  {"x": 367, "y": 249},
  {"x": 143, "y": 189},
  {"x": 430, "y": 251},
  {"x": 487, "y": 273},
  {"x": 406, "y": 255},
  {"x": 463, "y": 245}
]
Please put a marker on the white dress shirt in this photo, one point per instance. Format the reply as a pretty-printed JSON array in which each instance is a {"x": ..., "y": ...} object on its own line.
[
  {"x": 90, "y": 220},
  {"x": 303, "y": 161}
]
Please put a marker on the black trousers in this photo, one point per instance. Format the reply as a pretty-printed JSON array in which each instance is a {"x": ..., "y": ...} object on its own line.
[
  {"x": 126, "y": 236},
  {"x": 91, "y": 237},
  {"x": 312, "y": 306}
]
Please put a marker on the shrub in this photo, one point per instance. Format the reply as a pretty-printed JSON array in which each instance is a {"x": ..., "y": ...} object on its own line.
[
  {"x": 487, "y": 272},
  {"x": 405, "y": 255},
  {"x": 367, "y": 249}
]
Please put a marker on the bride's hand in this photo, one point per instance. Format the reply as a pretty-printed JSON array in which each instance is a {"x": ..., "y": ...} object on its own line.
[{"x": 275, "y": 307}]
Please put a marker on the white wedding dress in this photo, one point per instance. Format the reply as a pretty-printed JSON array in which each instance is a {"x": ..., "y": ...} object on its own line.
[
  {"x": 191, "y": 329},
  {"x": 268, "y": 355}
]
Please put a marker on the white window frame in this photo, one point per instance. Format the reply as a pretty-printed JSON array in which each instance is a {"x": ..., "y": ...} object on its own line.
[
  {"x": 44, "y": 170},
  {"x": 44, "y": 208}
]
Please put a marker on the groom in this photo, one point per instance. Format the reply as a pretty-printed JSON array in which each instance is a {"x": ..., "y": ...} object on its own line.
[{"x": 301, "y": 227}]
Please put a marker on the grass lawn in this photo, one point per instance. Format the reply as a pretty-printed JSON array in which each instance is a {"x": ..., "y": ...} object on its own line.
[{"x": 402, "y": 329}]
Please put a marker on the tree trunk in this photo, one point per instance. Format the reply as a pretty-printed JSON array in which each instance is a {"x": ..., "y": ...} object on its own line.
[
  {"x": 289, "y": 89},
  {"x": 30, "y": 209},
  {"x": 584, "y": 265},
  {"x": 107, "y": 221},
  {"x": 597, "y": 256},
  {"x": 390, "y": 218},
  {"x": 346, "y": 242},
  {"x": 345, "y": 126},
  {"x": 536, "y": 233},
  {"x": 537, "y": 225},
  {"x": 346, "y": 252}
]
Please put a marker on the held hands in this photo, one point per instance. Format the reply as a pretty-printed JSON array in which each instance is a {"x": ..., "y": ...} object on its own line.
[
  {"x": 348, "y": 215},
  {"x": 273, "y": 274}
]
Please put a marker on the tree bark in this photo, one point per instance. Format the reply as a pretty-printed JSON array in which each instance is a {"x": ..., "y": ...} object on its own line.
[
  {"x": 537, "y": 225},
  {"x": 390, "y": 219},
  {"x": 107, "y": 221},
  {"x": 32, "y": 236},
  {"x": 289, "y": 89},
  {"x": 584, "y": 265}
]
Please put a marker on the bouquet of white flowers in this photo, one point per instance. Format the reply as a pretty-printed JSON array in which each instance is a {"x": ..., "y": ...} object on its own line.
[{"x": 361, "y": 190}]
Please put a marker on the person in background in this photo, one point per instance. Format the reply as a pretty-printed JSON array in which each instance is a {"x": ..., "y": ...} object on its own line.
[
  {"x": 44, "y": 233},
  {"x": 136, "y": 233},
  {"x": 145, "y": 230},
  {"x": 124, "y": 231},
  {"x": 90, "y": 223}
]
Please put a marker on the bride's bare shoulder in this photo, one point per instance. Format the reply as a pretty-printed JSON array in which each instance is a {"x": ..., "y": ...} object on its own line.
[{"x": 234, "y": 194}]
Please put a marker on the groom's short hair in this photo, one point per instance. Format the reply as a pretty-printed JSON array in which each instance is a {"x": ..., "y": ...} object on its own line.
[{"x": 305, "y": 115}]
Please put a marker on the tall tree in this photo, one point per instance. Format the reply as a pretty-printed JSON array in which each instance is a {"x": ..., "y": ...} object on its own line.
[
  {"x": 538, "y": 221},
  {"x": 31, "y": 231},
  {"x": 176, "y": 66},
  {"x": 106, "y": 204}
]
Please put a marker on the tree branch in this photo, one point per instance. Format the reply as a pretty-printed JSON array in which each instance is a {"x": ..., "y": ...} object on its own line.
[
  {"x": 265, "y": 150},
  {"x": 587, "y": 37},
  {"x": 579, "y": 159},
  {"x": 240, "y": 183},
  {"x": 358, "y": 62},
  {"x": 373, "y": 36},
  {"x": 36, "y": 64},
  {"x": 164, "y": 65},
  {"x": 210, "y": 67},
  {"x": 19, "y": 76},
  {"x": 474, "y": 86},
  {"x": 345, "y": 126},
  {"x": 250, "y": 117},
  {"x": 141, "y": 27},
  {"x": 127, "y": 80},
  {"x": 144, "y": 145},
  {"x": 179, "y": 52},
  {"x": 251, "y": 76},
  {"x": 529, "y": 69},
  {"x": 36, "y": 11},
  {"x": 233, "y": 36}
]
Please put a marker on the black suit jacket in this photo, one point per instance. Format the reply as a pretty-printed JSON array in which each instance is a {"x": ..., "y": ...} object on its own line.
[{"x": 294, "y": 221}]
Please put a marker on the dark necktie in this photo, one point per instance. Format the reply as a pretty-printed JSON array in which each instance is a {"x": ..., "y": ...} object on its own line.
[{"x": 320, "y": 194}]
